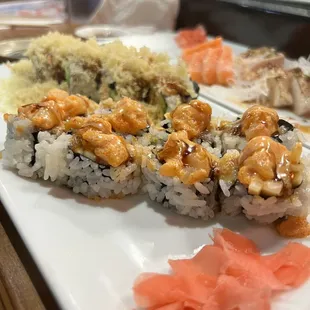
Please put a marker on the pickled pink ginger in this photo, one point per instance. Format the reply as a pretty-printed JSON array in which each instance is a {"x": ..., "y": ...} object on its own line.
[{"x": 231, "y": 274}]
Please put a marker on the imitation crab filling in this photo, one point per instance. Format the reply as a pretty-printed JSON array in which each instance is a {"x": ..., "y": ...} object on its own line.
[
  {"x": 94, "y": 139},
  {"x": 129, "y": 116},
  {"x": 269, "y": 168},
  {"x": 194, "y": 118},
  {"x": 259, "y": 121},
  {"x": 184, "y": 159}
]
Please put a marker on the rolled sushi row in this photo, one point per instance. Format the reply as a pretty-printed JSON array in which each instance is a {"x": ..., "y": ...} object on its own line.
[
  {"x": 109, "y": 71},
  {"x": 190, "y": 162},
  {"x": 251, "y": 165},
  {"x": 61, "y": 139}
]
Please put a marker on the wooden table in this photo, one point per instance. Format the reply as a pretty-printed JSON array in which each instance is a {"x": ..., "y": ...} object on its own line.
[
  {"x": 21, "y": 283},
  {"x": 22, "y": 287},
  {"x": 16, "y": 288}
]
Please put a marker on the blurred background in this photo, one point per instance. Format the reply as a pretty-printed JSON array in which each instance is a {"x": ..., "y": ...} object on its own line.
[{"x": 283, "y": 24}]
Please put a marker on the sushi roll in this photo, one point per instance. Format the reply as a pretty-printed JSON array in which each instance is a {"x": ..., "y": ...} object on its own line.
[
  {"x": 180, "y": 176},
  {"x": 269, "y": 181},
  {"x": 180, "y": 173},
  {"x": 61, "y": 139},
  {"x": 188, "y": 162},
  {"x": 267, "y": 178},
  {"x": 111, "y": 71},
  {"x": 221, "y": 151}
]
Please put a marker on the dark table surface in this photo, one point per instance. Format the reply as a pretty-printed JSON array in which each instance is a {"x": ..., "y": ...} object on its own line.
[{"x": 22, "y": 287}]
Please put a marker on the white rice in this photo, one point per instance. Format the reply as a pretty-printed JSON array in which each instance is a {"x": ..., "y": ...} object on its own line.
[
  {"x": 289, "y": 138},
  {"x": 92, "y": 180},
  {"x": 212, "y": 142},
  {"x": 232, "y": 142}
]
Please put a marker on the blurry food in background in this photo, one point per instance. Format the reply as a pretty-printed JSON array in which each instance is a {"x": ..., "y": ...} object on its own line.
[
  {"x": 32, "y": 13},
  {"x": 254, "y": 62},
  {"x": 283, "y": 83},
  {"x": 99, "y": 72},
  {"x": 189, "y": 53},
  {"x": 209, "y": 61},
  {"x": 300, "y": 87},
  {"x": 132, "y": 13},
  {"x": 262, "y": 75},
  {"x": 190, "y": 37},
  {"x": 267, "y": 26}
]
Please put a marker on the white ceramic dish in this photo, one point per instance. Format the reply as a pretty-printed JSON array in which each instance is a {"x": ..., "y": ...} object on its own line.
[
  {"x": 106, "y": 32},
  {"x": 91, "y": 252}
]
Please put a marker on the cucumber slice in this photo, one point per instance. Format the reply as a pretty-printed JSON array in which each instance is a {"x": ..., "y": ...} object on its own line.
[
  {"x": 156, "y": 105},
  {"x": 68, "y": 76}
]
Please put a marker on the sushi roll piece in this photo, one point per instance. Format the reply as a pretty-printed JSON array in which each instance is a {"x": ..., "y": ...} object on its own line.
[
  {"x": 62, "y": 140},
  {"x": 270, "y": 181},
  {"x": 64, "y": 58},
  {"x": 180, "y": 173},
  {"x": 267, "y": 178},
  {"x": 180, "y": 176}
]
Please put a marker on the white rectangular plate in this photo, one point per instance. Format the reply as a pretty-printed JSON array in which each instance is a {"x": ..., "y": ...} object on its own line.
[{"x": 91, "y": 252}]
